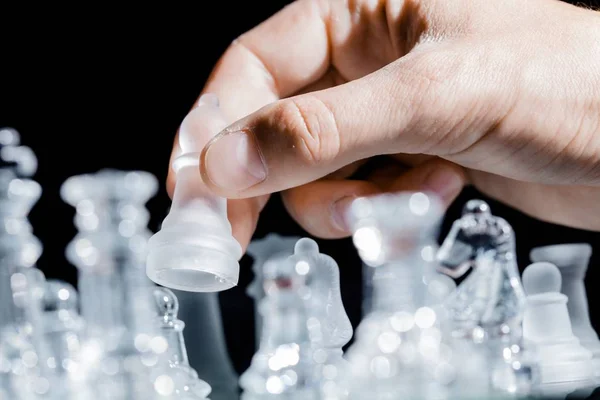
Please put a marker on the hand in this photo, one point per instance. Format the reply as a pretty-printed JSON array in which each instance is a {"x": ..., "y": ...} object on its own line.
[{"x": 509, "y": 91}]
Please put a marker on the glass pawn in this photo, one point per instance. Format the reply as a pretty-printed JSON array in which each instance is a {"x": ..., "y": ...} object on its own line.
[
  {"x": 194, "y": 249},
  {"x": 572, "y": 260},
  {"x": 175, "y": 378}
]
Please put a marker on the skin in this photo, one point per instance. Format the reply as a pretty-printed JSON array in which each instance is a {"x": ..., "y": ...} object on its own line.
[{"x": 503, "y": 95}]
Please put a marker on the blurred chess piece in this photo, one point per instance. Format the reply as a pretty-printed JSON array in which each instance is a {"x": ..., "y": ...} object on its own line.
[
  {"x": 261, "y": 250},
  {"x": 176, "y": 378},
  {"x": 109, "y": 251},
  {"x": 565, "y": 365},
  {"x": 116, "y": 299},
  {"x": 487, "y": 307},
  {"x": 284, "y": 364},
  {"x": 572, "y": 261},
  {"x": 21, "y": 284},
  {"x": 194, "y": 249},
  {"x": 205, "y": 343},
  {"x": 399, "y": 350}
]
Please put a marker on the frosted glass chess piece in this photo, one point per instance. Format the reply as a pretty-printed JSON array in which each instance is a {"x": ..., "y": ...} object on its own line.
[
  {"x": 203, "y": 324},
  {"x": 329, "y": 326},
  {"x": 283, "y": 366},
  {"x": 195, "y": 250},
  {"x": 565, "y": 365},
  {"x": 572, "y": 261},
  {"x": 398, "y": 351},
  {"x": 109, "y": 251},
  {"x": 261, "y": 250},
  {"x": 487, "y": 308},
  {"x": 174, "y": 378},
  {"x": 67, "y": 370}
]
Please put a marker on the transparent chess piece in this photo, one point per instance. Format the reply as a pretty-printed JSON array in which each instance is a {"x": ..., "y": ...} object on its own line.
[
  {"x": 194, "y": 249},
  {"x": 261, "y": 250},
  {"x": 109, "y": 251},
  {"x": 572, "y": 261},
  {"x": 399, "y": 350},
  {"x": 565, "y": 365},
  {"x": 487, "y": 308},
  {"x": 203, "y": 324},
  {"x": 283, "y": 366},
  {"x": 174, "y": 377},
  {"x": 68, "y": 370}
]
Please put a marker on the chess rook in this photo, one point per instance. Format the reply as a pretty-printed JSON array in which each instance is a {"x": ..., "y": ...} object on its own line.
[{"x": 195, "y": 250}]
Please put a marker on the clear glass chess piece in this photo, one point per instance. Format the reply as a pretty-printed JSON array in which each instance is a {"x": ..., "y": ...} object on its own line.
[
  {"x": 109, "y": 252},
  {"x": 67, "y": 368},
  {"x": 283, "y": 366},
  {"x": 572, "y": 260},
  {"x": 399, "y": 350},
  {"x": 487, "y": 308},
  {"x": 21, "y": 284},
  {"x": 261, "y": 250},
  {"x": 565, "y": 365},
  {"x": 174, "y": 377},
  {"x": 194, "y": 249}
]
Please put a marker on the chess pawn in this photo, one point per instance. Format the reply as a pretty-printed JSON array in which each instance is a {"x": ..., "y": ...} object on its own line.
[
  {"x": 565, "y": 365},
  {"x": 261, "y": 250},
  {"x": 572, "y": 261},
  {"x": 176, "y": 379},
  {"x": 195, "y": 250}
]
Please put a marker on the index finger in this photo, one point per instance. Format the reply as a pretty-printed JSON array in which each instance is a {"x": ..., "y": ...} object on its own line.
[{"x": 275, "y": 59}]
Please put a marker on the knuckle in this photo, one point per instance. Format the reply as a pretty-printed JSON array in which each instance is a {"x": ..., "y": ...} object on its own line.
[{"x": 312, "y": 130}]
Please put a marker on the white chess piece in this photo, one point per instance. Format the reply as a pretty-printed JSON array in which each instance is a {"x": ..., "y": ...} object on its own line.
[
  {"x": 565, "y": 365},
  {"x": 262, "y": 250},
  {"x": 572, "y": 260},
  {"x": 195, "y": 250}
]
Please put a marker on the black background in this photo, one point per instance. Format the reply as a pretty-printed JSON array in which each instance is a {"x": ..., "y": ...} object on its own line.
[{"x": 95, "y": 88}]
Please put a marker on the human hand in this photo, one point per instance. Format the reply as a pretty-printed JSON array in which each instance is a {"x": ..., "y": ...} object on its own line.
[{"x": 508, "y": 90}]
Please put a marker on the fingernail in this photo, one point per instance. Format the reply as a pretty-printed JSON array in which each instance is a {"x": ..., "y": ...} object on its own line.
[
  {"x": 233, "y": 161},
  {"x": 339, "y": 210},
  {"x": 445, "y": 182}
]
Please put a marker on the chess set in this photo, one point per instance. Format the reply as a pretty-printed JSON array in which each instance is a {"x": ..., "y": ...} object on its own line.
[{"x": 119, "y": 335}]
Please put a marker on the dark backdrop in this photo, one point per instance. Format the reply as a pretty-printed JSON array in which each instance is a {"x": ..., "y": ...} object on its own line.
[{"x": 93, "y": 89}]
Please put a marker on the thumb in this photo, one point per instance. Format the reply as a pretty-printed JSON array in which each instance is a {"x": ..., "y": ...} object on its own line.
[{"x": 303, "y": 138}]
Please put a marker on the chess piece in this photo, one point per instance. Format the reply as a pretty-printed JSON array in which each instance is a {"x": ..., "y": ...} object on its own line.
[
  {"x": 572, "y": 261},
  {"x": 109, "y": 252},
  {"x": 487, "y": 308},
  {"x": 400, "y": 342},
  {"x": 261, "y": 250},
  {"x": 565, "y": 365},
  {"x": 331, "y": 328},
  {"x": 174, "y": 359},
  {"x": 283, "y": 365},
  {"x": 195, "y": 250},
  {"x": 203, "y": 325}
]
